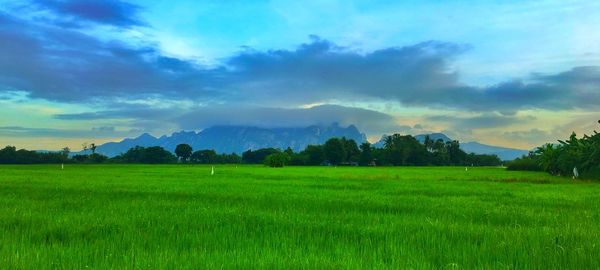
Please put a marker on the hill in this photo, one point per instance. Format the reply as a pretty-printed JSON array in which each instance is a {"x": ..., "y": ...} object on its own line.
[{"x": 237, "y": 139}]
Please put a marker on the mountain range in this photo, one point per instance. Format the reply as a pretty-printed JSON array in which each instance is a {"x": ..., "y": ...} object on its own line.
[{"x": 237, "y": 139}]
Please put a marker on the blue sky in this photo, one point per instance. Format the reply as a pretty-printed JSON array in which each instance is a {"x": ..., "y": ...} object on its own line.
[{"x": 511, "y": 73}]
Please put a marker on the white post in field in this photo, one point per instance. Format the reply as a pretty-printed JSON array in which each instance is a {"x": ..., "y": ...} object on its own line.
[{"x": 212, "y": 170}]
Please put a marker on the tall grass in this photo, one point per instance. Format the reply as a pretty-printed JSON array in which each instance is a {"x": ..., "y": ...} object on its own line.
[{"x": 181, "y": 217}]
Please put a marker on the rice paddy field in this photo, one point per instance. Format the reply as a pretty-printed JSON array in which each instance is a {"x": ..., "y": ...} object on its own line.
[{"x": 181, "y": 217}]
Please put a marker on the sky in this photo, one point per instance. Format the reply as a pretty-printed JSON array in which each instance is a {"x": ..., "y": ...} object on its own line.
[{"x": 508, "y": 73}]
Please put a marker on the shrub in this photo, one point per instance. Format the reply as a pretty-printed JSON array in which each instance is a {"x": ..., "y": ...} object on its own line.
[
  {"x": 277, "y": 160},
  {"x": 592, "y": 174},
  {"x": 525, "y": 163}
]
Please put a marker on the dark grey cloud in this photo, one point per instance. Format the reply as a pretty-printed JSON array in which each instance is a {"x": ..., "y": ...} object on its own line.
[
  {"x": 60, "y": 64},
  {"x": 65, "y": 65},
  {"x": 110, "y": 12},
  {"x": 417, "y": 75},
  {"x": 486, "y": 120},
  {"x": 321, "y": 70},
  {"x": 366, "y": 120},
  {"x": 369, "y": 121}
]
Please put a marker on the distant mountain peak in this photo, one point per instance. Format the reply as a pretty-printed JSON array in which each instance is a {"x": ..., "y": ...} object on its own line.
[
  {"x": 237, "y": 139},
  {"x": 228, "y": 138},
  {"x": 145, "y": 135}
]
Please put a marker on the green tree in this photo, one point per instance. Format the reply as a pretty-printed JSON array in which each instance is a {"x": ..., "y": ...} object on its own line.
[
  {"x": 258, "y": 156},
  {"x": 277, "y": 160},
  {"x": 334, "y": 151},
  {"x": 429, "y": 143},
  {"x": 405, "y": 150},
  {"x": 366, "y": 154},
  {"x": 205, "y": 157},
  {"x": 183, "y": 151},
  {"x": 65, "y": 152},
  {"x": 455, "y": 154},
  {"x": 93, "y": 147},
  {"x": 147, "y": 155},
  {"x": 351, "y": 150},
  {"x": 314, "y": 154}
]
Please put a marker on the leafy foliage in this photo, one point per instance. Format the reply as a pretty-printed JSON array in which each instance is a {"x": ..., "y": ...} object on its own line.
[
  {"x": 399, "y": 150},
  {"x": 10, "y": 155},
  {"x": 183, "y": 151},
  {"x": 525, "y": 163},
  {"x": 561, "y": 159},
  {"x": 148, "y": 155},
  {"x": 93, "y": 158},
  {"x": 211, "y": 157},
  {"x": 277, "y": 160},
  {"x": 257, "y": 156}
]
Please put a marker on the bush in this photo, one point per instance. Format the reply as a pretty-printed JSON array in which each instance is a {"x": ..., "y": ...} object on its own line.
[
  {"x": 277, "y": 160},
  {"x": 593, "y": 174},
  {"x": 257, "y": 156},
  {"x": 525, "y": 163},
  {"x": 148, "y": 155},
  {"x": 93, "y": 158}
]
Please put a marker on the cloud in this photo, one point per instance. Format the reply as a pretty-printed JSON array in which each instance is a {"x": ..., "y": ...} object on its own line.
[
  {"x": 417, "y": 75},
  {"x": 68, "y": 66},
  {"x": 366, "y": 120},
  {"x": 321, "y": 70},
  {"x": 17, "y": 131},
  {"x": 369, "y": 121},
  {"x": 104, "y": 129},
  {"x": 109, "y": 12},
  {"x": 533, "y": 136},
  {"x": 64, "y": 65},
  {"x": 131, "y": 112},
  {"x": 483, "y": 121}
]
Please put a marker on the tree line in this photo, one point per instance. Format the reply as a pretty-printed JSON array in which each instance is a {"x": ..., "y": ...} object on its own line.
[
  {"x": 398, "y": 150},
  {"x": 563, "y": 157}
]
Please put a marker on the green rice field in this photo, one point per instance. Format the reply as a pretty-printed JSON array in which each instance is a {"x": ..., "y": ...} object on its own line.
[{"x": 182, "y": 217}]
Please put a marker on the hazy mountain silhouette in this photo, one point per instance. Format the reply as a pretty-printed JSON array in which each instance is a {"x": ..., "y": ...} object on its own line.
[{"x": 237, "y": 139}]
